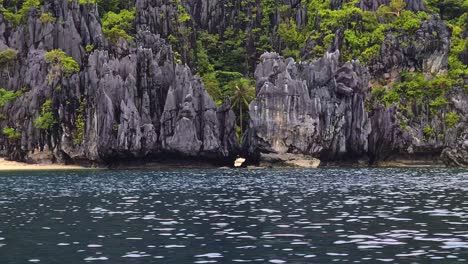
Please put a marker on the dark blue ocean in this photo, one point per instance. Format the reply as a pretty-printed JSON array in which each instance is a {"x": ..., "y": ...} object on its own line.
[{"x": 234, "y": 216}]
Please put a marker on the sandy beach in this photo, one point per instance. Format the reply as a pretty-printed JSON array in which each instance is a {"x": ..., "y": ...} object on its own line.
[{"x": 6, "y": 165}]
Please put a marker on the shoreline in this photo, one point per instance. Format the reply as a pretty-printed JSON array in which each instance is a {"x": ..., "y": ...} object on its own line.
[{"x": 6, "y": 165}]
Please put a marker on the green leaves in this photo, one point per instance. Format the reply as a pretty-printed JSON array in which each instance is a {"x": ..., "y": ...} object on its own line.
[
  {"x": 7, "y": 56},
  {"x": 116, "y": 18},
  {"x": 7, "y": 96},
  {"x": 409, "y": 21},
  {"x": 449, "y": 9},
  {"x": 452, "y": 119},
  {"x": 46, "y": 120},
  {"x": 16, "y": 18},
  {"x": 118, "y": 25},
  {"x": 11, "y": 133},
  {"x": 61, "y": 64},
  {"x": 428, "y": 132},
  {"x": 459, "y": 44},
  {"x": 393, "y": 9},
  {"x": 79, "y": 131},
  {"x": 241, "y": 92},
  {"x": 392, "y": 97},
  {"x": 293, "y": 39},
  {"x": 182, "y": 15},
  {"x": 47, "y": 18}
]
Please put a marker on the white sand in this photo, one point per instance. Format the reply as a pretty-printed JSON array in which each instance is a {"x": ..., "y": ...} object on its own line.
[{"x": 13, "y": 165}]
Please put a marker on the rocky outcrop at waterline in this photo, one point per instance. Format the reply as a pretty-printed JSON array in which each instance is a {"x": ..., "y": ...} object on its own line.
[
  {"x": 129, "y": 100},
  {"x": 326, "y": 108},
  {"x": 315, "y": 109},
  {"x": 333, "y": 110}
]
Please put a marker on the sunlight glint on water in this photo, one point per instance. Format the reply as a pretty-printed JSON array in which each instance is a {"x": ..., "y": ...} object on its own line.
[{"x": 235, "y": 216}]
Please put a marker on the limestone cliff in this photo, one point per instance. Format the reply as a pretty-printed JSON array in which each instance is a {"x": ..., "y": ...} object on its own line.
[
  {"x": 315, "y": 108},
  {"x": 136, "y": 94},
  {"x": 326, "y": 109},
  {"x": 129, "y": 99}
]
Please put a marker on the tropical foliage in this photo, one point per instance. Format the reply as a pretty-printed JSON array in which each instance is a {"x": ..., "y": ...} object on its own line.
[
  {"x": 46, "y": 120},
  {"x": 7, "y": 96},
  {"x": 62, "y": 65}
]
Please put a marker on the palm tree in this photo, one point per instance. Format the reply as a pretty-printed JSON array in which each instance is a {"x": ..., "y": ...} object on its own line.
[{"x": 241, "y": 92}]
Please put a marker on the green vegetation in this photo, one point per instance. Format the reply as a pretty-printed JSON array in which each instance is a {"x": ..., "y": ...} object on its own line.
[
  {"x": 225, "y": 56},
  {"x": 116, "y": 18},
  {"x": 437, "y": 104},
  {"x": 47, "y": 18},
  {"x": 47, "y": 119},
  {"x": 428, "y": 132},
  {"x": 89, "y": 48},
  {"x": 11, "y": 133},
  {"x": 7, "y": 96},
  {"x": 395, "y": 8},
  {"x": 449, "y": 9},
  {"x": 415, "y": 87},
  {"x": 392, "y": 97},
  {"x": 86, "y": 2},
  {"x": 452, "y": 119},
  {"x": 458, "y": 45},
  {"x": 419, "y": 96},
  {"x": 16, "y": 13},
  {"x": 79, "y": 131},
  {"x": 7, "y": 56},
  {"x": 115, "y": 6},
  {"x": 118, "y": 25},
  {"x": 62, "y": 65},
  {"x": 242, "y": 92}
]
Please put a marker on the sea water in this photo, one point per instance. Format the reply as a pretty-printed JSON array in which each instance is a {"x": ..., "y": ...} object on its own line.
[{"x": 235, "y": 216}]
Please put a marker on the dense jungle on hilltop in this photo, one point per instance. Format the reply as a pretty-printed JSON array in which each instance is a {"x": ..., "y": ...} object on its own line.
[{"x": 96, "y": 81}]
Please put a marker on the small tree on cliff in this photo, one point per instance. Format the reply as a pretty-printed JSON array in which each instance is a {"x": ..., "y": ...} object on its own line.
[
  {"x": 241, "y": 92},
  {"x": 13, "y": 137},
  {"x": 394, "y": 8},
  {"x": 46, "y": 120},
  {"x": 7, "y": 56},
  {"x": 62, "y": 65}
]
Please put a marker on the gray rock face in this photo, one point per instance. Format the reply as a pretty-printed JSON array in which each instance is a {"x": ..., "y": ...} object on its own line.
[
  {"x": 426, "y": 51},
  {"x": 134, "y": 101},
  {"x": 373, "y": 5},
  {"x": 313, "y": 108},
  {"x": 214, "y": 17},
  {"x": 457, "y": 155},
  {"x": 395, "y": 133},
  {"x": 319, "y": 109}
]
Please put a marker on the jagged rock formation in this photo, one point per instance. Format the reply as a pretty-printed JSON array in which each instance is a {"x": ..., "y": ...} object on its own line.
[
  {"x": 456, "y": 153},
  {"x": 323, "y": 108},
  {"x": 396, "y": 133},
  {"x": 212, "y": 15},
  {"x": 424, "y": 51},
  {"x": 133, "y": 100},
  {"x": 313, "y": 108},
  {"x": 373, "y": 5}
]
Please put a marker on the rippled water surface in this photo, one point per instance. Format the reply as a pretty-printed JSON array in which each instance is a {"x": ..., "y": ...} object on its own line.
[{"x": 230, "y": 216}]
